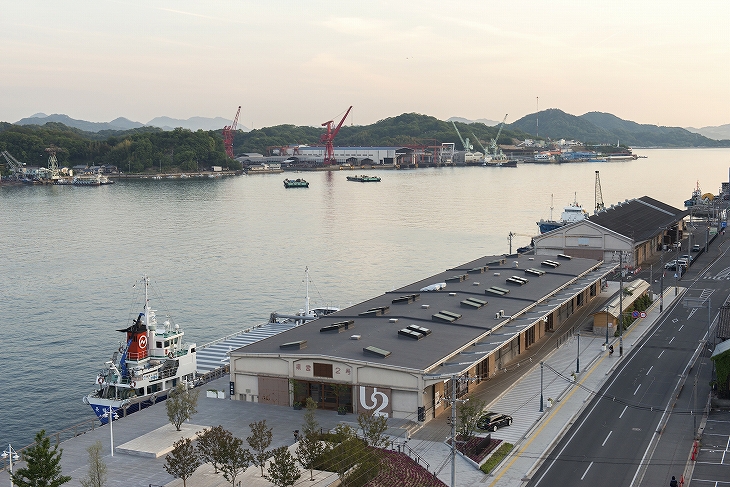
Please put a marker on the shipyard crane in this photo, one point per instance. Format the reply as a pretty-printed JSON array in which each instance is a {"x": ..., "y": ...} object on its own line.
[
  {"x": 599, "y": 195},
  {"x": 467, "y": 147},
  {"x": 52, "y": 161},
  {"x": 494, "y": 140},
  {"x": 486, "y": 152},
  {"x": 328, "y": 137},
  {"x": 228, "y": 135},
  {"x": 15, "y": 166}
]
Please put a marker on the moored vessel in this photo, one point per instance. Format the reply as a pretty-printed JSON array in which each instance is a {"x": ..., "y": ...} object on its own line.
[
  {"x": 571, "y": 214},
  {"x": 150, "y": 362}
]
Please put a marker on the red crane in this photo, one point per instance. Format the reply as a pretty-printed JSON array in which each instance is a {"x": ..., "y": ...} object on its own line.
[
  {"x": 329, "y": 136},
  {"x": 228, "y": 135}
]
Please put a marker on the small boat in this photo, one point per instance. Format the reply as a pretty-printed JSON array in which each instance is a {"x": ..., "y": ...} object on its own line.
[
  {"x": 295, "y": 183},
  {"x": 364, "y": 179},
  {"x": 150, "y": 362},
  {"x": 507, "y": 163},
  {"x": 305, "y": 314},
  {"x": 91, "y": 180},
  {"x": 571, "y": 214}
]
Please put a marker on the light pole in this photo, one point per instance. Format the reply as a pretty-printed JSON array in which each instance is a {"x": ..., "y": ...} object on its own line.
[
  {"x": 607, "y": 325},
  {"x": 621, "y": 305},
  {"x": 11, "y": 455},
  {"x": 661, "y": 278},
  {"x": 112, "y": 415},
  {"x": 542, "y": 366},
  {"x": 577, "y": 357}
]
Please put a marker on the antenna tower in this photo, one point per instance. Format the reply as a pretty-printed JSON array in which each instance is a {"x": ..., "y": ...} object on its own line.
[{"x": 599, "y": 195}]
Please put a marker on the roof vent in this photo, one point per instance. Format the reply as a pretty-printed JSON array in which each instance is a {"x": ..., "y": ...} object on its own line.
[
  {"x": 298, "y": 345},
  {"x": 355, "y": 337},
  {"x": 425, "y": 306},
  {"x": 376, "y": 351},
  {"x": 452, "y": 294},
  {"x": 393, "y": 320}
]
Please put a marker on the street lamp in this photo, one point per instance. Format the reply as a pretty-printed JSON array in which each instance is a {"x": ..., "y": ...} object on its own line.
[
  {"x": 112, "y": 415},
  {"x": 11, "y": 455}
]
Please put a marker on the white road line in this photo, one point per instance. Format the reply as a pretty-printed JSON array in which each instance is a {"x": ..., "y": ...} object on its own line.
[
  {"x": 584, "y": 473},
  {"x": 680, "y": 328},
  {"x": 604, "y": 441},
  {"x": 637, "y": 390},
  {"x": 670, "y": 341},
  {"x": 725, "y": 452},
  {"x": 660, "y": 355},
  {"x": 622, "y": 412},
  {"x": 647, "y": 372}
]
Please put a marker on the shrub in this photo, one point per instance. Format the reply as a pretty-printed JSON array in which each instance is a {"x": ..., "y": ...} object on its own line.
[{"x": 496, "y": 457}]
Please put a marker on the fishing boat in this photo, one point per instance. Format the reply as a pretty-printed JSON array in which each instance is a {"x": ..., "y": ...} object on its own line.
[
  {"x": 571, "y": 214},
  {"x": 364, "y": 179},
  {"x": 295, "y": 183},
  {"x": 150, "y": 362}
]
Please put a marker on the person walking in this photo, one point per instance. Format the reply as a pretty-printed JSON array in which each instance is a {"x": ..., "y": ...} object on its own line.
[{"x": 673, "y": 482}]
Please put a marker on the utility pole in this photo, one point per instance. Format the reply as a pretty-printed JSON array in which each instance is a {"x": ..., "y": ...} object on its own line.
[
  {"x": 453, "y": 400},
  {"x": 621, "y": 304}
]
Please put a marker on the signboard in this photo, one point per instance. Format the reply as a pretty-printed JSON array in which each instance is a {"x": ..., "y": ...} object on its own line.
[
  {"x": 723, "y": 225},
  {"x": 634, "y": 314},
  {"x": 642, "y": 314},
  {"x": 375, "y": 399}
]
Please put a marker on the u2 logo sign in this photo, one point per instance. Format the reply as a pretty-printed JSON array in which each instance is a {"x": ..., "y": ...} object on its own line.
[{"x": 377, "y": 401}]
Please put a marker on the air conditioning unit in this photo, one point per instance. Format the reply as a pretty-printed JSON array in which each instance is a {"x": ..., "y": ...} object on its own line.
[
  {"x": 496, "y": 316},
  {"x": 501, "y": 313}
]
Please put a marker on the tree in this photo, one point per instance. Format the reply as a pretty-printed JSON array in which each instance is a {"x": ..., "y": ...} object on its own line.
[
  {"x": 211, "y": 444},
  {"x": 182, "y": 461},
  {"x": 283, "y": 470},
  {"x": 309, "y": 449},
  {"x": 96, "y": 475},
  {"x": 467, "y": 415},
  {"x": 259, "y": 441},
  {"x": 234, "y": 458},
  {"x": 373, "y": 428},
  {"x": 181, "y": 404},
  {"x": 43, "y": 465}
]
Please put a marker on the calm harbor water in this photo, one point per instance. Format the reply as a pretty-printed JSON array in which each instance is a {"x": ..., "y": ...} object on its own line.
[{"x": 224, "y": 253}]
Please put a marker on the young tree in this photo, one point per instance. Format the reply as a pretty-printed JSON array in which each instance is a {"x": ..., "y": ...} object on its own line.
[
  {"x": 182, "y": 461},
  {"x": 283, "y": 470},
  {"x": 309, "y": 449},
  {"x": 259, "y": 441},
  {"x": 96, "y": 475},
  {"x": 210, "y": 445},
  {"x": 181, "y": 404},
  {"x": 43, "y": 465},
  {"x": 310, "y": 421},
  {"x": 234, "y": 458},
  {"x": 373, "y": 428},
  {"x": 467, "y": 415}
]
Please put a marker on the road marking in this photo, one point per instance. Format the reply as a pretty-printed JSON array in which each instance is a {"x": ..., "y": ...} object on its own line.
[
  {"x": 670, "y": 341},
  {"x": 680, "y": 328},
  {"x": 622, "y": 412},
  {"x": 584, "y": 473},
  {"x": 660, "y": 355},
  {"x": 647, "y": 372},
  {"x": 637, "y": 390},
  {"x": 604, "y": 441}
]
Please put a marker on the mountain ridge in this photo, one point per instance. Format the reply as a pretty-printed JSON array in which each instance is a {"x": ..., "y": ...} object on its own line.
[{"x": 121, "y": 123}]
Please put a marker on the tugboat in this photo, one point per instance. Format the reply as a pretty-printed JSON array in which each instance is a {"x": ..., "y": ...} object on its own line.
[
  {"x": 364, "y": 179},
  {"x": 152, "y": 361},
  {"x": 571, "y": 214},
  {"x": 295, "y": 183}
]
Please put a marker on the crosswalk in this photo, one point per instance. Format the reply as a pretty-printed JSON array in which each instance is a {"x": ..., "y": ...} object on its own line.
[{"x": 214, "y": 355}]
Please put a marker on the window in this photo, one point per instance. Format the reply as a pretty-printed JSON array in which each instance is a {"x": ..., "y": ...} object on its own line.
[{"x": 323, "y": 370}]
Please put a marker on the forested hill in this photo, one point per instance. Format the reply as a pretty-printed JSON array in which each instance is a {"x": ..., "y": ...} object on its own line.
[
  {"x": 150, "y": 148},
  {"x": 405, "y": 129},
  {"x": 605, "y": 128}
]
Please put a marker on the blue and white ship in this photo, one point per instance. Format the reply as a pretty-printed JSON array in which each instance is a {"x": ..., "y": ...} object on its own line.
[
  {"x": 147, "y": 365},
  {"x": 571, "y": 214}
]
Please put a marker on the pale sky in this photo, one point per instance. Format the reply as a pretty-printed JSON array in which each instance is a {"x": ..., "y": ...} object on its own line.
[{"x": 663, "y": 62}]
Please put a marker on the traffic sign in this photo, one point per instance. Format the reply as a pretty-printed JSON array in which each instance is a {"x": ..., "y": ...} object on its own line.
[
  {"x": 723, "y": 224},
  {"x": 642, "y": 314},
  {"x": 635, "y": 314}
]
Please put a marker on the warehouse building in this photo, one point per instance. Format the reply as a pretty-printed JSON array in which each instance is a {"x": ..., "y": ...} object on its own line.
[{"x": 394, "y": 354}]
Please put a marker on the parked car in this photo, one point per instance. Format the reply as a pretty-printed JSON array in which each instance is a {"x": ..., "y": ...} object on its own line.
[
  {"x": 491, "y": 421},
  {"x": 671, "y": 265},
  {"x": 696, "y": 248}
]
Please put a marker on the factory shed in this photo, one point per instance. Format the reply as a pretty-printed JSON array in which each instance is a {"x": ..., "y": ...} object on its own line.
[{"x": 393, "y": 353}]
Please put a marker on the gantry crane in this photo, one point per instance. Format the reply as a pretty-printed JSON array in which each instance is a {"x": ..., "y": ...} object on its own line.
[
  {"x": 467, "y": 146},
  {"x": 228, "y": 135},
  {"x": 599, "y": 195},
  {"x": 495, "y": 148},
  {"x": 53, "y": 162},
  {"x": 15, "y": 166},
  {"x": 329, "y": 136}
]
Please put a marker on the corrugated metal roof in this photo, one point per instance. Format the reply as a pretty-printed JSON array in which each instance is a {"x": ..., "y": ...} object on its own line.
[{"x": 639, "y": 219}]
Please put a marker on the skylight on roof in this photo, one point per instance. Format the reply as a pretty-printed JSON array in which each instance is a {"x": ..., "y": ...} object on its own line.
[
  {"x": 298, "y": 345},
  {"x": 376, "y": 351}
]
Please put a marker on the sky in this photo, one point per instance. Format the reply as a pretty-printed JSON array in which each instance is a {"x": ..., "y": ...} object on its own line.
[{"x": 305, "y": 62}]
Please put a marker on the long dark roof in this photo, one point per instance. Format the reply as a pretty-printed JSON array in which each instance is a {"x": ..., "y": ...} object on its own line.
[
  {"x": 639, "y": 219},
  {"x": 548, "y": 287}
]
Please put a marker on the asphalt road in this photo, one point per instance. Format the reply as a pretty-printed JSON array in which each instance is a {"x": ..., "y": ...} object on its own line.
[{"x": 639, "y": 428}]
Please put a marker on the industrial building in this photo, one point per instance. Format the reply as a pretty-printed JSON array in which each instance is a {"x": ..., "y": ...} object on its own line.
[
  {"x": 393, "y": 354},
  {"x": 632, "y": 232}
]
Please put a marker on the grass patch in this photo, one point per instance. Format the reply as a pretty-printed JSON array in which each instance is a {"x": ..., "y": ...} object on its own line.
[{"x": 496, "y": 457}]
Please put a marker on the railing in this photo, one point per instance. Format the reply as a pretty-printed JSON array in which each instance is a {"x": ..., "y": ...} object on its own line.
[
  {"x": 404, "y": 448},
  {"x": 212, "y": 375}
]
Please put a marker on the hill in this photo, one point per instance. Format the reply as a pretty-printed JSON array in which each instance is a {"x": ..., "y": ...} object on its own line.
[
  {"x": 605, "y": 128},
  {"x": 121, "y": 123},
  {"x": 717, "y": 132}
]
